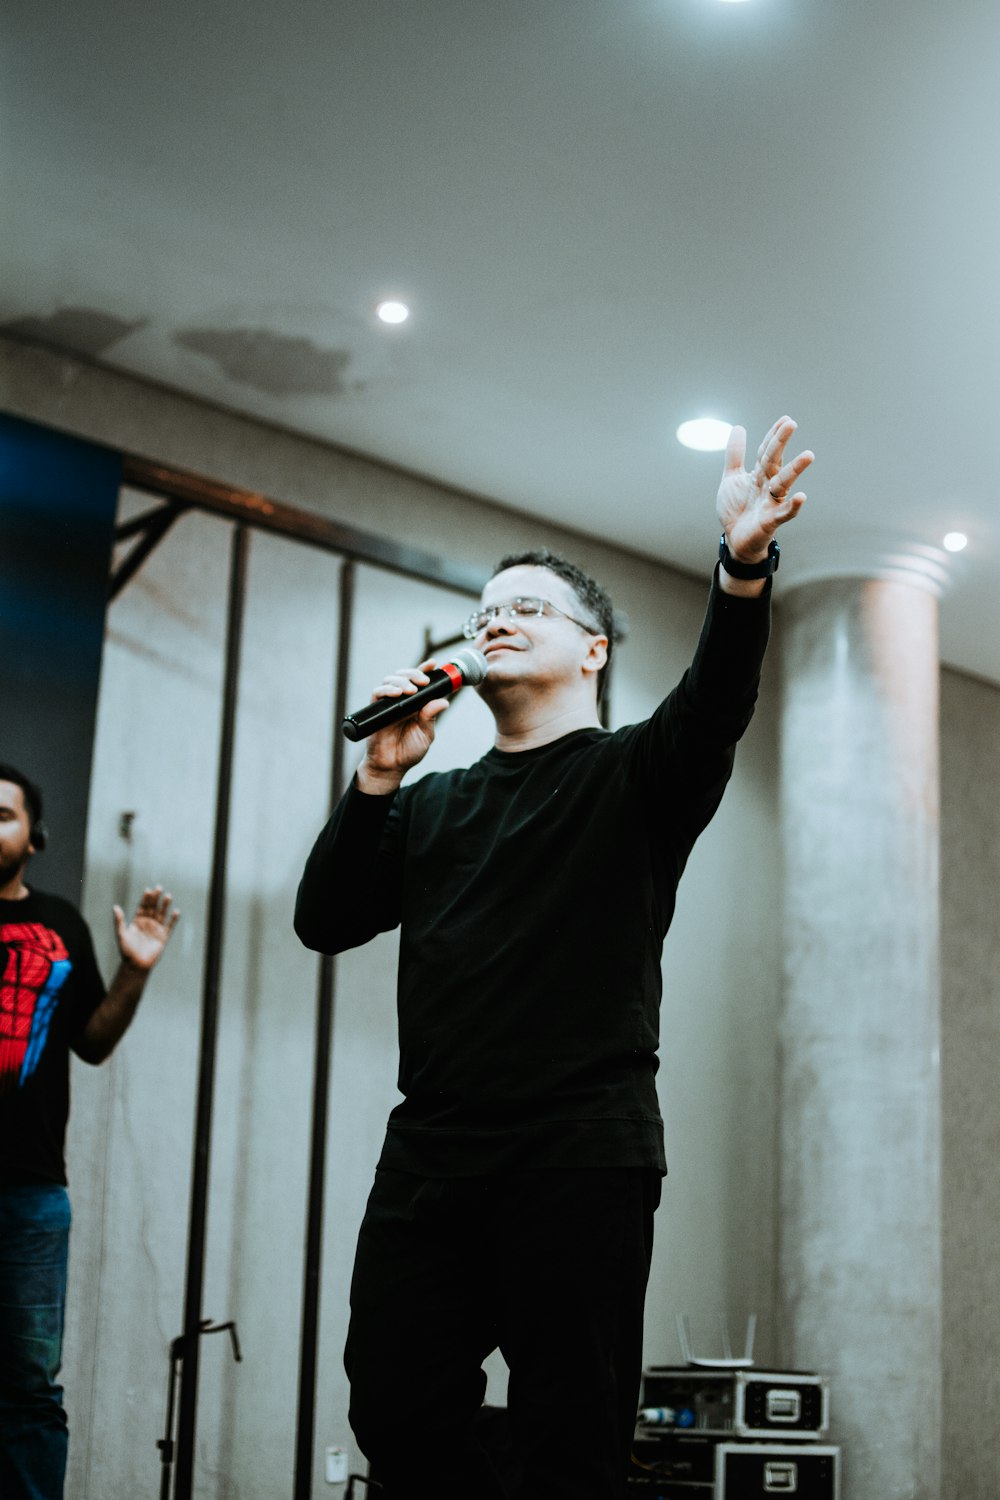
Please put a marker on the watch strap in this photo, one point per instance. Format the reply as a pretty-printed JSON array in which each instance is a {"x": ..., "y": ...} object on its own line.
[{"x": 762, "y": 569}]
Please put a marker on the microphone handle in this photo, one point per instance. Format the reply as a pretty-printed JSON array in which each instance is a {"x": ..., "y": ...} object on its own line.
[{"x": 385, "y": 711}]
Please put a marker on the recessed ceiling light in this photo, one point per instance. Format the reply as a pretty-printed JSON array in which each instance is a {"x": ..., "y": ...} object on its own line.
[
  {"x": 707, "y": 434},
  {"x": 393, "y": 312},
  {"x": 956, "y": 541}
]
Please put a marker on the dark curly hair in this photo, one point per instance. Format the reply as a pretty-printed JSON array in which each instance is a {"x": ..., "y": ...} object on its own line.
[{"x": 595, "y": 601}]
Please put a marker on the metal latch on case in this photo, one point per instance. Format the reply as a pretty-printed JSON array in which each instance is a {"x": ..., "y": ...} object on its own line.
[
  {"x": 781, "y": 1479},
  {"x": 784, "y": 1406}
]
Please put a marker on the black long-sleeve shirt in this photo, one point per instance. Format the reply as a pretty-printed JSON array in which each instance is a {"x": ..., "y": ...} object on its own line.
[{"x": 533, "y": 891}]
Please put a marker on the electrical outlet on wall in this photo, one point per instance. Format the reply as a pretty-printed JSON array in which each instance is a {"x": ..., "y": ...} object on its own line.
[{"x": 336, "y": 1464}]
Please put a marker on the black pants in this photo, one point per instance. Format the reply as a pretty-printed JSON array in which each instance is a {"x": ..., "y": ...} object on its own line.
[{"x": 548, "y": 1266}]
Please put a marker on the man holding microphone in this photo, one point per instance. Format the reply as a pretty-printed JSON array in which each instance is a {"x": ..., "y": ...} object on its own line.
[{"x": 514, "y": 1197}]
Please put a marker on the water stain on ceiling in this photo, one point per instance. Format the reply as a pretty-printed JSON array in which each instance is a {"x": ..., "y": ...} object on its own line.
[
  {"x": 81, "y": 330},
  {"x": 276, "y": 363}
]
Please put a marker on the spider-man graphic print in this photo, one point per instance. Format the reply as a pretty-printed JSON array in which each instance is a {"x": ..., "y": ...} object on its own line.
[
  {"x": 34, "y": 967},
  {"x": 49, "y": 986}
]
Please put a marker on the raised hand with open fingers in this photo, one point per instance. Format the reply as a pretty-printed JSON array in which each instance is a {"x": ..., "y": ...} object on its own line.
[
  {"x": 752, "y": 504},
  {"x": 142, "y": 941}
]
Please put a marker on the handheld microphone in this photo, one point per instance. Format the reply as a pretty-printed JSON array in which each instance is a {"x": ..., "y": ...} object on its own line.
[{"x": 469, "y": 666}]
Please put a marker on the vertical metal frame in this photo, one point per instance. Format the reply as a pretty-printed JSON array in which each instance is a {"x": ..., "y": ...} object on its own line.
[
  {"x": 305, "y": 1428},
  {"x": 249, "y": 510},
  {"x": 195, "y": 1277}
]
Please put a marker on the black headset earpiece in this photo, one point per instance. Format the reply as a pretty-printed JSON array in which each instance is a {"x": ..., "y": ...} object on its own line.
[{"x": 39, "y": 835}]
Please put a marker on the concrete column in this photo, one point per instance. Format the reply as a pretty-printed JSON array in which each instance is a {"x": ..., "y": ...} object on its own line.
[{"x": 860, "y": 1265}]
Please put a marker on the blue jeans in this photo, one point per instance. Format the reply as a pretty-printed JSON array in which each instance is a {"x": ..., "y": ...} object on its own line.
[{"x": 34, "y": 1245}]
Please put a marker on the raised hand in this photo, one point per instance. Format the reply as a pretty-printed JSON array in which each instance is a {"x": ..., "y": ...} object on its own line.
[
  {"x": 142, "y": 941},
  {"x": 752, "y": 504}
]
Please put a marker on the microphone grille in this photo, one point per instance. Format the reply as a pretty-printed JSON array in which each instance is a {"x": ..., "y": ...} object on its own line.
[{"x": 472, "y": 664}]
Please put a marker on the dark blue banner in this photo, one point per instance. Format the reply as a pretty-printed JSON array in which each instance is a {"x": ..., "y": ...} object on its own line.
[{"x": 58, "y": 501}]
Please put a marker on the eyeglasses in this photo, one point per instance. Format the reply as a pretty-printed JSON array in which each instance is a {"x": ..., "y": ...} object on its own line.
[{"x": 517, "y": 609}]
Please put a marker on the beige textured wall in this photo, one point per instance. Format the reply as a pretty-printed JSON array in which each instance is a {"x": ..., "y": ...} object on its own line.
[
  {"x": 157, "y": 739},
  {"x": 970, "y": 1066}
]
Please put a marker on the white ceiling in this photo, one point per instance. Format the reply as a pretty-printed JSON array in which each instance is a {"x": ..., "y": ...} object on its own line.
[{"x": 607, "y": 215}]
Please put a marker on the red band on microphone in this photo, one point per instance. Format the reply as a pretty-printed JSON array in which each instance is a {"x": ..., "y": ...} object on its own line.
[{"x": 454, "y": 673}]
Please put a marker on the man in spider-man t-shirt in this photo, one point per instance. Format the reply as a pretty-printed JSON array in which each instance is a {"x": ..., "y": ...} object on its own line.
[{"x": 52, "y": 1001}]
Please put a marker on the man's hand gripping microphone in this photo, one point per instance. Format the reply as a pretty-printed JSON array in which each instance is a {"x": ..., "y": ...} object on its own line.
[{"x": 466, "y": 668}]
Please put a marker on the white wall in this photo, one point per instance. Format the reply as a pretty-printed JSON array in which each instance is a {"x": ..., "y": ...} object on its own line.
[{"x": 156, "y": 755}]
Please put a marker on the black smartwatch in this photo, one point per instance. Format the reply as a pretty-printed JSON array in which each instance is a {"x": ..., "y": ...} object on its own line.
[{"x": 762, "y": 569}]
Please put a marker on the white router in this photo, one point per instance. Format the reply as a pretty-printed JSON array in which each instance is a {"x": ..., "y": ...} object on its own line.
[{"x": 729, "y": 1360}]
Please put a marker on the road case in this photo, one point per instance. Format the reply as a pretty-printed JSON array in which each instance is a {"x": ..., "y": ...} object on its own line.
[
  {"x": 702, "y": 1468},
  {"x": 756, "y": 1471},
  {"x": 745, "y": 1403}
]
